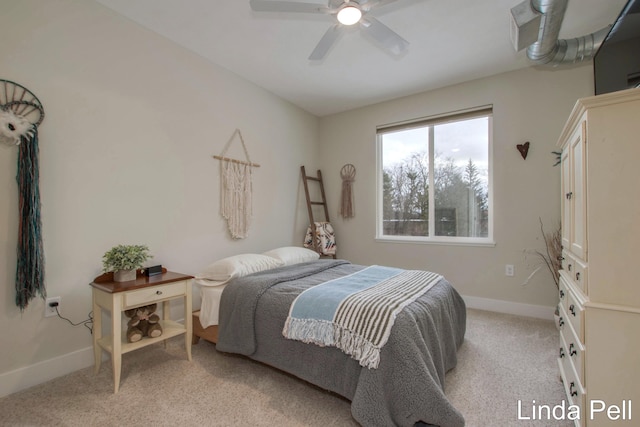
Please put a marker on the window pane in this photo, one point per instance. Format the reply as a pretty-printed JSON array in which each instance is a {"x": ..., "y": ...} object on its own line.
[
  {"x": 405, "y": 182},
  {"x": 461, "y": 178}
]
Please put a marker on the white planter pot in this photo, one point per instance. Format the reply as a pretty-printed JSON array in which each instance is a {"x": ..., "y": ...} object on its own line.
[{"x": 124, "y": 275}]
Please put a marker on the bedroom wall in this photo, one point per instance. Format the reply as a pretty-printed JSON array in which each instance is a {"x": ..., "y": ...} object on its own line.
[
  {"x": 131, "y": 124},
  {"x": 528, "y": 105}
]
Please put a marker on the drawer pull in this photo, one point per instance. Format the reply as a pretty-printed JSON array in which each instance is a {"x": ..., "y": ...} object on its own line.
[
  {"x": 158, "y": 292},
  {"x": 560, "y": 258},
  {"x": 569, "y": 268},
  {"x": 569, "y": 195},
  {"x": 571, "y": 390},
  {"x": 561, "y": 294},
  {"x": 578, "y": 276},
  {"x": 561, "y": 352},
  {"x": 561, "y": 321},
  {"x": 572, "y": 309},
  {"x": 572, "y": 351}
]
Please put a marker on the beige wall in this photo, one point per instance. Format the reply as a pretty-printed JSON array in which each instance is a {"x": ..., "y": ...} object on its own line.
[
  {"x": 528, "y": 105},
  {"x": 131, "y": 124}
]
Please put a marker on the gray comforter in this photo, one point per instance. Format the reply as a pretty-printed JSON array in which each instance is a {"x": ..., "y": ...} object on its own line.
[{"x": 408, "y": 385}]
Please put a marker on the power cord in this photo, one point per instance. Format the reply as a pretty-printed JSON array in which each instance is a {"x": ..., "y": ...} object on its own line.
[{"x": 88, "y": 323}]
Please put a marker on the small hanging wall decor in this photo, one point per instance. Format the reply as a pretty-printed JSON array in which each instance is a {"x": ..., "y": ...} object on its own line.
[
  {"x": 523, "y": 149},
  {"x": 236, "y": 190},
  {"x": 348, "y": 175},
  {"x": 20, "y": 114}
]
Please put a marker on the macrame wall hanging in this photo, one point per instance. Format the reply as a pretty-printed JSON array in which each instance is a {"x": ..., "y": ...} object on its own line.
[
  {"x": 236, "y": 189},
  {"x": 348, "y": 175},
  {"x": 20, "y": 114}
]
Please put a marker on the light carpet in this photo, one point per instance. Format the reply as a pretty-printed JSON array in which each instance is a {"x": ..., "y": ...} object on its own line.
[{"x": 504, "y": 359}]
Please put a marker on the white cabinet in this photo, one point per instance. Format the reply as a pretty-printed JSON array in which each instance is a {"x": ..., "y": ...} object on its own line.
[{"x": 599, "y": 350}]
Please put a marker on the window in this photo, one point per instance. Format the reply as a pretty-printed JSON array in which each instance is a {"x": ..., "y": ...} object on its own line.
[{"x": 434, "y": 179}]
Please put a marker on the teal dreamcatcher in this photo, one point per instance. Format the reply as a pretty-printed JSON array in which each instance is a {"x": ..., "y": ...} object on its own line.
[{"x": 20, "y": 114}]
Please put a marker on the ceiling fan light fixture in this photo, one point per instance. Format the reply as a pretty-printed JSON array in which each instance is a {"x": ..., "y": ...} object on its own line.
[{"x": 349, "y": 15}]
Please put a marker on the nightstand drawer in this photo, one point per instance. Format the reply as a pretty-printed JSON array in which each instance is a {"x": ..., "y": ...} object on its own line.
[{"x": 154, "y": 294}]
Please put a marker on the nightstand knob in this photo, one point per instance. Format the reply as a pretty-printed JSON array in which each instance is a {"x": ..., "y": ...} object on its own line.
[{"x": 158, "y": 292}]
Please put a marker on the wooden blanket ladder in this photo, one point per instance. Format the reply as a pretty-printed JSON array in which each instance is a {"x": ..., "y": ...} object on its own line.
[{"x": 310, "y": 203}]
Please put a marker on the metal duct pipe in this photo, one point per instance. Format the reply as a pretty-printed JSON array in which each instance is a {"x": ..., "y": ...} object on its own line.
[{"x": 551, "y": 51}]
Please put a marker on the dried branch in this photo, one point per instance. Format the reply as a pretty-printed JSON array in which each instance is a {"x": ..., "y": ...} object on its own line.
[{"x": 552, "y": 257}]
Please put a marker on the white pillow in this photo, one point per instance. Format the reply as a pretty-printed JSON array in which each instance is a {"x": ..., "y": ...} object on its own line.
[
  {"x": 225, "y": 269},
  {"x": 290, "y": 255}
]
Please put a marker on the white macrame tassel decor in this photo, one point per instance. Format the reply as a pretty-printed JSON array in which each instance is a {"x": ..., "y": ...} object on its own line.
[
  {"x": 236, "y": 197},
  {"x": 236, "y": 190}
]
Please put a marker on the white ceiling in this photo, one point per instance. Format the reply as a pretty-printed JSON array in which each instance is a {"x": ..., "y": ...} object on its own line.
[{"x": 451, "y": 41}]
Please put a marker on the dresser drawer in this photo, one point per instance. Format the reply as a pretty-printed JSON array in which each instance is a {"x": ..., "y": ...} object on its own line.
[
  {"x": 572, "y": 351},
  {"x": 573, "y": 389},
  {"x": 575, "y": 314},
  {"x": 576, "y": 271},
  {"x": 563, "y": 293},
  {"x": 154, "y": 294}
]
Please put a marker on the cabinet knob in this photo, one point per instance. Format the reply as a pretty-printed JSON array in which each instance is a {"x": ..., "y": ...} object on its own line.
[
  {"x": 158, "y": 292},
  {"x": 571, "y": 390}
]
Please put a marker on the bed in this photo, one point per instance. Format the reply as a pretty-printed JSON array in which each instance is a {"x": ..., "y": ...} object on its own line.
[{"x": 406, "y": 387}]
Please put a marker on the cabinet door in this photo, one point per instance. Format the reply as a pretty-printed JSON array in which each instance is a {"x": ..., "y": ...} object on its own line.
[
  {"x": 578, "y": 194},
  {"x": 566, "y": 204}
]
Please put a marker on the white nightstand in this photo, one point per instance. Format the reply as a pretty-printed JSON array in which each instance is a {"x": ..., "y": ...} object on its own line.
[{"x": 117, "y": 297}]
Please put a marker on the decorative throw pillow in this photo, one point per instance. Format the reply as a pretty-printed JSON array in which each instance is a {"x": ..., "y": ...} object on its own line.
[
  {"x": 225, "y": 269},
  {"x": 290, "y": 255}
]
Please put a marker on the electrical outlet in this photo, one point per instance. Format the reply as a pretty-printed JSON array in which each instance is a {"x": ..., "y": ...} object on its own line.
[
  {"x": 509, "y": 270},
  {"x": 49, "y": 310}
]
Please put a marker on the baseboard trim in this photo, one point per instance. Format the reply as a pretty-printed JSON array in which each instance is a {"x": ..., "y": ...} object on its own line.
[
  {"x": 41, "y": 372},
  {"x": 38, "y": 373},
  {"x": 509, "y": 307}
]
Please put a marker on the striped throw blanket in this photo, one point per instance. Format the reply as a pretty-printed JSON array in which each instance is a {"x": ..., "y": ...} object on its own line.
[{"x": 355, "y": 313}]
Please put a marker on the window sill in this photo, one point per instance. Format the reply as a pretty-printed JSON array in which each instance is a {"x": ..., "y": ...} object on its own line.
[{"x": 488, "y": 243}]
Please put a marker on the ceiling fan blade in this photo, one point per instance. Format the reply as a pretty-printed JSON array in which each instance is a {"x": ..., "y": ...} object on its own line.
[
  {"x": 325, "y": 43},
  {"x": 384, "y": 35},
  {"x": 370, "y": 4},
  {"x": 287, "y": 6}
]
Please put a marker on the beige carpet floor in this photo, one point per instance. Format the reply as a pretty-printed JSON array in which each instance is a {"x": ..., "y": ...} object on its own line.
[{"x": 504, "y": 359}]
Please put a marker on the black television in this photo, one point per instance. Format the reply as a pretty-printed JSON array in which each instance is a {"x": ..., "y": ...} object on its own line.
[{"x": 616, "y": 64}]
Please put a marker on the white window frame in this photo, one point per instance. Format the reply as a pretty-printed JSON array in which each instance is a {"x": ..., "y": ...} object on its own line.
[{"x": 483, "y": 111}]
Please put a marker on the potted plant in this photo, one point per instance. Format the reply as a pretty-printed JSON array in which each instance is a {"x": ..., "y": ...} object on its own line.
[{"x": 124, "y": 261}]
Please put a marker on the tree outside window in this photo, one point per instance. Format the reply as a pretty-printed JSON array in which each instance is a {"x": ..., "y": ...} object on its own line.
[{"x": 435, "y": 179}]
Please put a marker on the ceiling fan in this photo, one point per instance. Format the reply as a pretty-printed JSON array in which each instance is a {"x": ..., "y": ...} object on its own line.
[{"x": 347, "y": 13}]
